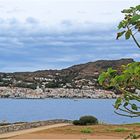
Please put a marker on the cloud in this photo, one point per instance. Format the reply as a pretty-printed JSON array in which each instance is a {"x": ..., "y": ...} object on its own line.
[
  {"x": 31, "y": 45},
  {"x": 50, "y": 34}
]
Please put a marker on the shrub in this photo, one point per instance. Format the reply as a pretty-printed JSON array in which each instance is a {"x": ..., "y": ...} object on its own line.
[
  {"x": 86, "y": 130},
  {"x": 121, "y": 130},
  {"x": 76, "y": 122},
  {"x": 132, "y": 136},
  {"x": 86, "y": 120}
]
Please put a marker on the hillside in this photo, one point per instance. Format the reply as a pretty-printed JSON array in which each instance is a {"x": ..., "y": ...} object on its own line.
[{"x": 77, "y": 76}]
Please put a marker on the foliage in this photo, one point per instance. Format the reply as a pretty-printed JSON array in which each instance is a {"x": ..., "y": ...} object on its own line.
[
  {"x": 86, "y": 130},
  {"x": 130, "y": 25},
  {"x": 86, "y": 120},
  {"x": 133, "y": 136},
  {"x": 129, "y": 79},
  {"x": 76, "y": 122},
  {"x": 126, "y": 82},
  {"x": 121, "y": 129},
  {"x": 52, "y": 84},
  {"x": 25, "y": 85}
]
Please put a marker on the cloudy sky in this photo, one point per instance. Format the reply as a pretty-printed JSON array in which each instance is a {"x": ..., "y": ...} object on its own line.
[{"x": 54, "y": 34}]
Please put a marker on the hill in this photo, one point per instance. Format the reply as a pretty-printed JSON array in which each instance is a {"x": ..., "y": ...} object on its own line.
[{"x": 77, "y": 76}]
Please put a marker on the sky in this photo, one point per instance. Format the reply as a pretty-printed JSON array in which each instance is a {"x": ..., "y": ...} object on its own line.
[{"x": 55, "y": 34}]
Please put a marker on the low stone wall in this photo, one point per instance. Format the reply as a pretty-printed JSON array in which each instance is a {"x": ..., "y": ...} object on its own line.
[{"x": 26, "y": 125}]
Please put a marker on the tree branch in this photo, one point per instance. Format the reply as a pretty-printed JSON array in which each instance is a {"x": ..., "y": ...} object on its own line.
[
  {"x": 135, "y": 40},
  {"x": 132, "y": 116}
]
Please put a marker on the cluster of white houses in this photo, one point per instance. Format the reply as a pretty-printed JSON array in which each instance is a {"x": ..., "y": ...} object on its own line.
[{"x": 15, "y": 92}]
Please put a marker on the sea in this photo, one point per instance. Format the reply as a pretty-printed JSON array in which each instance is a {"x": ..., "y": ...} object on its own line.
[{"x": 27, "y": 110}]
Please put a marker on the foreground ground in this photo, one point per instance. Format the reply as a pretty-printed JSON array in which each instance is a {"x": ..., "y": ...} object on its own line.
[{"x": 82, "y": 132}]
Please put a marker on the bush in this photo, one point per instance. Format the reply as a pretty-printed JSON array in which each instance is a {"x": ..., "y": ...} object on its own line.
[
  {"x": 121, "y": 130},
  {"x": 76, "y": 122},
  {"x": 132, "y": 136},
  {"x": 86, "y": 130},
  {"x": 86, "y": 120}
]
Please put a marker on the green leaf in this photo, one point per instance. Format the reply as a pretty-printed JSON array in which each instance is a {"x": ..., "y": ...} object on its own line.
[
  {"x": 138, "y": 7},
  {"x": 135, "y": 18},
  {"x": 122, "y": 24},
  {"x": 102, "y": 78},
  {"x": 118, "y": 102},
  {"x": 111, "y": 72},
  {"x": 128, "y": 34},
  {"x": 120, "y": 34},
  {"x": 127, "y": 10},
  {"x": 127, "y": 98},
  {"x": 125, "y": 104},
  {"x": 134, "y": 107}
]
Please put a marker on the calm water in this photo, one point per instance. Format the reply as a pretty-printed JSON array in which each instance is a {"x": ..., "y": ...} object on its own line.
[{"x": 14, "y": 110}]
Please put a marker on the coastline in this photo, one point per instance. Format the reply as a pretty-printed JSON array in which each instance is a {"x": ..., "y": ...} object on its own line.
[
  {"x": 56, "y": 98},
  {"x": 55, "y": 93}
]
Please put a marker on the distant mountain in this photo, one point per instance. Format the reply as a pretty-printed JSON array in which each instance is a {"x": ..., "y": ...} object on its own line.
[{"x": 77, "y": 76}]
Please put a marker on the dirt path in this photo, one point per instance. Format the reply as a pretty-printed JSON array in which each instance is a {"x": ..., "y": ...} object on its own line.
[{"x": 22, "y": 132}]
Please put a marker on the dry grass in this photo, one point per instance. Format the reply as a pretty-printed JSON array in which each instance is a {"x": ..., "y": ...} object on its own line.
[{"x": 96, "y": 131}]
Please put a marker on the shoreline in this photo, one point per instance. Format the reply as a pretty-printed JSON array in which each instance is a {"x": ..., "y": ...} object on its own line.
[
  {"x": 53, "y": 121},
  {"x": 56, "y": 93},
  {"x": 76, "y": 99}
]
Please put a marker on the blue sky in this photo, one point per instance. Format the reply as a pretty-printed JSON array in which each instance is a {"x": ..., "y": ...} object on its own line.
[{"x": 55, "y": 34}]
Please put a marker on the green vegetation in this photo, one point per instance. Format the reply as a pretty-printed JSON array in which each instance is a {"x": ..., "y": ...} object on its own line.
[
  {"x": 52, "y": 84},
  {"x": 133, "y": 136},
  {"x": 25, "y": 85},
  {"x": 86, "y": 120},
  {"x": 127, "y": 80},
  {"x": 130, "y": 25},
  {"x": 86, "y": 130},
  {"x": 76, "y": 122},
  {"x": 137, "y": 124},
  {"x": 120, "y": 129}
]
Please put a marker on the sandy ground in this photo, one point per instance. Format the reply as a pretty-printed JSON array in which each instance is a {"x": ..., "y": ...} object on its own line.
[
  {"x": 28, "y": 131},
  {"x": 66, "y": 131}
]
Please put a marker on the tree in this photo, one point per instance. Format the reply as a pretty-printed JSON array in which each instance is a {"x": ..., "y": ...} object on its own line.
[
  {"x": 125, "y": 82},
  {"x": 128, "y": 80},
  {"x": 130, "y": 25}
]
